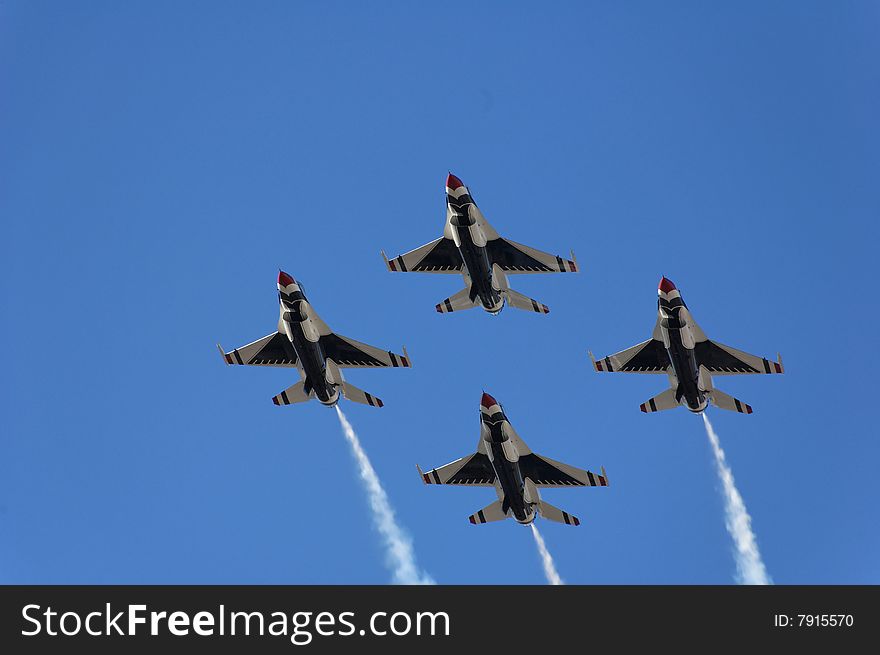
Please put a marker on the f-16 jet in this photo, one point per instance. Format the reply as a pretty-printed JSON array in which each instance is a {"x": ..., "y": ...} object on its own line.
[
  {"x": 472, "y": 247},
  {"x": 505, "y": 462},
  {"x": 681, "y": 350},
  {"x": 303, "y": 341}
]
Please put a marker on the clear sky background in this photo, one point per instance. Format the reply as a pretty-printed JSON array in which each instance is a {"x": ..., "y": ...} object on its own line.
[{"x": 160, "y": 161}]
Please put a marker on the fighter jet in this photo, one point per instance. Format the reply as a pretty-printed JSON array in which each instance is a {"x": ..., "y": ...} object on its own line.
[
  {"x": 303, "y": 341},
  {"x": 504, "y": 461},
  {"x": 471, "y": 247},
  {"x": 679, "y": 348}
]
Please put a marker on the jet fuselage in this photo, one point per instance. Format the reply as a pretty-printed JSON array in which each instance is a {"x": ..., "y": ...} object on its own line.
[
  {"x": 471, "y": 243},
  {"x": 505, "y": 461},
  {"x": 679, "y": 342},
  {"x": 305, "y": 341}
]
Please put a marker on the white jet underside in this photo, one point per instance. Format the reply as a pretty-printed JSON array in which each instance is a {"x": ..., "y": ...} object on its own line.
[
  {"x": 713, "y": 358},
  {"x": 442, "y": 256},
  {"x": 340, "y": 352},
  {"x": 476, "y": 470},
  {"x": 506, "y": 257}
]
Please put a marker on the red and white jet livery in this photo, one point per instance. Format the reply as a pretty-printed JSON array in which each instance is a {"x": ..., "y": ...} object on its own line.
[
  {"x": 681, "y": 350},
  {"x": 471, "y": 247},
  {"x": 504, "y": 461},
  {"x": 304, "y": 342}
]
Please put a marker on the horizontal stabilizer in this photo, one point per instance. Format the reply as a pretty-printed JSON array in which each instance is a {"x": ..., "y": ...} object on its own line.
[
  {"x": 519, "y": 301},
  {"x": 493, "y": 512},
  {"x": 722, "y": 400},
  {"x": 551, "y": 513},
  {"x": 352, "y": 393},
  {"x": 294, "y": 394},
  {"x": 665, "y": 400},
  {"x": 458, "y": 302}
]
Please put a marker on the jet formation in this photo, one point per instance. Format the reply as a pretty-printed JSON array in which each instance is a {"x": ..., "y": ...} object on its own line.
[{"x": 471, "y": 247}]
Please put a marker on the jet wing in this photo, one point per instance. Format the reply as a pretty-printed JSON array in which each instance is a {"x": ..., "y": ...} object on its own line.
[
  {"x": 545, "y": 472},
  {"x": 439, "y": 256},
  {"x": 514, "y": 257},
  {"x": 647, "y": 357},
  {"x": 474, "y": 471},
  {"x": 724, "y": 360},
  {"x": 272, "y": 350},
  {"x": 348, "y": 353}
]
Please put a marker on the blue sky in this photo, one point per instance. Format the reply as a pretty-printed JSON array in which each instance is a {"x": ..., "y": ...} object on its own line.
[{"x": 160, "y": 161}]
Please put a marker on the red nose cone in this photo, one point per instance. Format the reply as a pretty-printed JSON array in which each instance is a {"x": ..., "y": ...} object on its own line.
[
  {"x": 666, "y": 285},
  {"x": 453, "y": 182},
  {"x": 487, "y": 401},
  {"x": 284, "y": 279}
]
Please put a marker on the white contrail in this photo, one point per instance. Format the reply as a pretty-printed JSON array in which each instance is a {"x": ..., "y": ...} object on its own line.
[
  {"x": 546, "y": 557},
  {"x": 401, "y": 557},
  {"x": 750, "y": 567}
]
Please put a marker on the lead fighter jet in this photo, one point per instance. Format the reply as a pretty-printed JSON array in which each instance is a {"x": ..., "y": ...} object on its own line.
[
  {"x": 472, "y": 247},
  {"x": 303, "y": 341},
  {"x": 504, "y": 461},
  {"x": 682, "y": 350}
]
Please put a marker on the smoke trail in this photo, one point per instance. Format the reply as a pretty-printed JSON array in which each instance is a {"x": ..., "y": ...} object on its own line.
[
  {"x": 749, "y": 565},
  {"x": 546, "y": 558},
  {"x": 401, "y": 557}
]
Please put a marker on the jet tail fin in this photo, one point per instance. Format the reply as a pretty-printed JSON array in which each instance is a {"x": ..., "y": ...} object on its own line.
[
  {"x": 520, "y": 301},
  {"x": 458, "y": 302},
  {"x": 493, "y": 512},
  {"x": 722, "y": 400},
  {"x": 294, "y": 394},
  {"x": 551, "y": 513},
  {"x": 352, "y": 393},
  {"x": 666, "y": 400}
]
